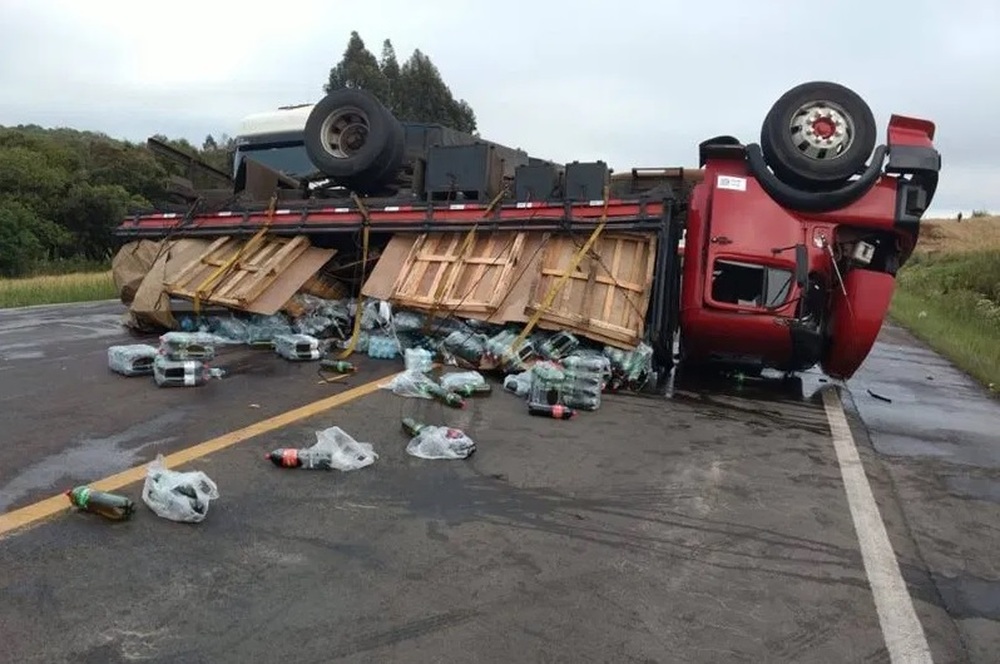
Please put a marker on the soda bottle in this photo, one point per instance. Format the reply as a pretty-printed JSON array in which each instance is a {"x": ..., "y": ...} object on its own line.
[
  {"x": 108, "y": 505},
  {"x": 290, "y": 457},
  {"x": 555, "y": 411},
  {"x": 472, "y": 390},
  {"x": 446, "y": 397},
  {"x": 338, "y": 366},
  {"x": 558, "y": 345}
]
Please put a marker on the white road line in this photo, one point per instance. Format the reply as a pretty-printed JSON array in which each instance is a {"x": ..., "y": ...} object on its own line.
[{"x": 904, "y": 635}]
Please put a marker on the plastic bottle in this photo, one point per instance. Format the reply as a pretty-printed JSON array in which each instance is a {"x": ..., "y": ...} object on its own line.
[
  {"x": 558, "y": 345},
  {"x": 179, "y": 373},
  {"x": 555, "y": 411},
  {"x": 290, "y": 457},
  {"x": 472, "y": 390},
  {"x": 418, "y": 359},
  {"x": 412, "y": 427},
  {"x": 446, "y": 397},
  {"x": 339, "y": 366},
  {"x": 109, "y": 505}
]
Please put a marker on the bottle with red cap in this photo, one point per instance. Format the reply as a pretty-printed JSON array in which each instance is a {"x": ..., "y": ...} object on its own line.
[
  {"x": 555, "y": 411},
  {"x": 291, "y": 457}
]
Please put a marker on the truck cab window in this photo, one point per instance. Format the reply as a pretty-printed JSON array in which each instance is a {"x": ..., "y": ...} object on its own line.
[{"x": 752, "y": 285}]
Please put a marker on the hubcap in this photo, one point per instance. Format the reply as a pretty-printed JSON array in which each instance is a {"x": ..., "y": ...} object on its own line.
[
  {"x": 344, "y": 132},
  {"x": 822, "y": 130}
]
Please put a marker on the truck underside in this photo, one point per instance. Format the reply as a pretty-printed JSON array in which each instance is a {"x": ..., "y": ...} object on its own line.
[{"x": 780, "y": 255}]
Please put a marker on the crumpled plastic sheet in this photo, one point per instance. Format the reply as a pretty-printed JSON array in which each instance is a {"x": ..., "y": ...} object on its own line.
[
  {"x": 345, "y": 452},
  {"x": 374, "y": 313},
  {"x": 325, "y": 318},
  {"x": 132, "y": 359},
  {"x": 519, "y": 383},
  {"x": 462, "y": 379},
  {"x": 464, "y": 344},
  {"x": 411, "y": 384},
  {"x": 437, "y": 442},
  {"x": 178, "y": 496},
  {"x": 408, "y": 321}
]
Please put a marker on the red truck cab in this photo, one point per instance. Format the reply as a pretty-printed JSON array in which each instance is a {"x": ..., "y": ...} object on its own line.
[{"x": 792, "y": 245}]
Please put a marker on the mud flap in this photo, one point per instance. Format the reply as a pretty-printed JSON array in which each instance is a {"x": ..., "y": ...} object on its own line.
[{"x": 857, "y": 320}]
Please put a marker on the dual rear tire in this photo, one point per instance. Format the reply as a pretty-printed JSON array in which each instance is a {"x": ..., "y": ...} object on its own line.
[
  {"x": 818, "y": 135},
  {"x": 353, "y": 139}
]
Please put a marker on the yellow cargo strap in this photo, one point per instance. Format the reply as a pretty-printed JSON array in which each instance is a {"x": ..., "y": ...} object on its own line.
[
  {"x": 550, "y": 296},
  {"x": 365, "y": 226},
  {"x": 206, "y": 287},
  {"x": 462, "y": 251}
]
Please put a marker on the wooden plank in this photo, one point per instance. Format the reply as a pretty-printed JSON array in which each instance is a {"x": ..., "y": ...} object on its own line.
[
  {"x": 258, "y": 274},
  {"x": 381, "y": 283},
  {"x": 181, "y": 279},
  {"x": 607, "y": 296},
  {"x": 279, "y": 261},
  {"x": 232, "y": 285},
  {"x": 436, "y": 275},
  {"x": 289, "y": 281}
]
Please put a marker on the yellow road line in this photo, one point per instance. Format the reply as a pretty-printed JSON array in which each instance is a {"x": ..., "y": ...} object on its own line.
[{"x": 50, "y": 506}]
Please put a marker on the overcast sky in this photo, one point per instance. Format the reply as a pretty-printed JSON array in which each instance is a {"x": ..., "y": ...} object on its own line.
[{"x": 563, "y": 80}]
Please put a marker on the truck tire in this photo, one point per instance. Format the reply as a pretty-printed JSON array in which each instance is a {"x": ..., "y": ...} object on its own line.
[
  {"x": 818, "y": 135},
  {"x": 353, "y": 139}
]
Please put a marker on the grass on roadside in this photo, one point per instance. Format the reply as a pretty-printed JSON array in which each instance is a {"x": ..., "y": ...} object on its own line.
[
  {"x": 948, "y": 295},
  {"x": 57, "y": 289}
]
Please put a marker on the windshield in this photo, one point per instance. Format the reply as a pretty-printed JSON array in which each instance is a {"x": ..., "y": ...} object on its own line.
[{"x": 290, "y": 159}]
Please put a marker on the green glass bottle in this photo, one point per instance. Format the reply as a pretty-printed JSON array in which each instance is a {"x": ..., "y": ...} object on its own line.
[
  {"x": 412, "y": 427},
  {"x": 472, "y": 390},
  {"x": 446, "y": 397},
  {"x": 339, "y": 366}
]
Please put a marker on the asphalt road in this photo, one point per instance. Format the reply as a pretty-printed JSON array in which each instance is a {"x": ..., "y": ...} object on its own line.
[{"x": 712, "y": 526}]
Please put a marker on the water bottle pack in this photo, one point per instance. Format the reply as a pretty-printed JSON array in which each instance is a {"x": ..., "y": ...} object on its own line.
[
  {"x": 180, "y": 373},
  {"x": 297, "y": 347},
  {"x": 132, "y": 359},
  {"x": 382, "y": 346}
]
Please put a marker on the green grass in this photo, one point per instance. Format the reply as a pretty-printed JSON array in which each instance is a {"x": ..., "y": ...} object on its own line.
[
  {"x": 951, "y": 300},
  {"x": 56, "y": 289}
]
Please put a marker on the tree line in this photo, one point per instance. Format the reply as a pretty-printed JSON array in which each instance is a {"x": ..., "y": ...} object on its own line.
[{"x": 63, "y": 191}]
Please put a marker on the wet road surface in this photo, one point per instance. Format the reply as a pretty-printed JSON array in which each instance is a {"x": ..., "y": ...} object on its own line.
[{"x": 709, "y": 527}]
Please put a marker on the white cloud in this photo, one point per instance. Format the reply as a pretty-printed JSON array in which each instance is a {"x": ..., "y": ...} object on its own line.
[{"x": 630, "y": 83}]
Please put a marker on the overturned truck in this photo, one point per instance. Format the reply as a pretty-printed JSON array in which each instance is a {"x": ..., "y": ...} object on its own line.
[{"x": 780, "y": 254}]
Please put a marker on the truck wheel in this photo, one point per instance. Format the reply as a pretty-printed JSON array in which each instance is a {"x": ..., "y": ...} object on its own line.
[
  {"x": 351, "y": 137},
  {"x": 818, "y": 134}
]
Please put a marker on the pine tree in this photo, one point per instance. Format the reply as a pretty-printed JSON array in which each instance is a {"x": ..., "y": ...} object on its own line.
[
  {"x": 358, "y": 68},
  {"x": 413, "y": 92}
]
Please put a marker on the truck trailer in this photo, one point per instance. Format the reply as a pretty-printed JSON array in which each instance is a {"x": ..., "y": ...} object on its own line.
[{"x": 778, "y": 254}]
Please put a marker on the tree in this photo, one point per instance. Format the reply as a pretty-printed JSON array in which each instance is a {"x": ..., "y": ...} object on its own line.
[
  {"x": 26, "y": 238},
  {"x": 358, "y": 68},
  {"x": 62, "y": 191},
  {"x": 413, "y": 92},
  {"x": 389, "y": 66}
]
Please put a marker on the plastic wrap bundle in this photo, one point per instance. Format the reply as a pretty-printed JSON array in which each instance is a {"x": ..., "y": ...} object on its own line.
[
  {"x": 183, "y": 346},
  {"x": 382, "y": 346},
  {"x": 182, "y": 373},
  {"x": 297, "y": 347},
  {"x": 132, "y": 359},
  {"x": 418, "y": 359},
  {"x": 500, "y": 349},
  {"x": 466, "y": 345}
]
